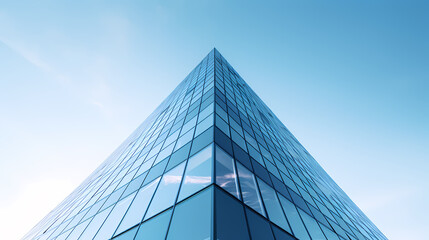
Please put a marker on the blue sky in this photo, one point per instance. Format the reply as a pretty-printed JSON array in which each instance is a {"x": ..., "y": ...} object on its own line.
[{"x": 349, "y": 79}]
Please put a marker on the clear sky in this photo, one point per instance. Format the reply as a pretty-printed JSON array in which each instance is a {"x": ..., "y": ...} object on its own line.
[{"x": 350, "y": 79}]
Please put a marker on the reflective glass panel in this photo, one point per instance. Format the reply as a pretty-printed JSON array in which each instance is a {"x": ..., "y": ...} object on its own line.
[
  {"x": 294, "y": 219},
  {"x": 312, "y": 226},
  {"x": 155, "y": 228},
  {"x": 203, "y": 125},
  {"x": 272, "y": 204},
  {"x": 249, "y": 190},
  {"x": 138, "y": 207},
  {"x": 330, "y": 235},
  {"x": 184, "y": 139},
  {"x": 192, "y": 218},
  {"x": 112, "y": 221},
  {"x": 95, "y": 224},
  {"x": 198, "y": 172},
  {"x": 77, "y": 231},
  {"x": 167, "y": 191},
  {"x": 129, "y": 235},
  {"x": 226, "y": 176}
]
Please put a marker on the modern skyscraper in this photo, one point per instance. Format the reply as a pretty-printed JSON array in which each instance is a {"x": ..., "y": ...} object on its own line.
[{"x": 211, "y": 162}]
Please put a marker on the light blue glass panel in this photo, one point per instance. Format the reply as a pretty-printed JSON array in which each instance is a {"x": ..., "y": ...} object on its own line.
[
  {"x": 172, "y": 138},
  {"x": 226, "y": 176},
  {"x": 155, "y": 228},
  {"x": 329, "y": 234},
  {"x": 295, "y": 221},
  {"x": 62, "y": 226},
  {"x": 167, "y": 191},
  {"x": 222, "y": 125},
  {"x": 95, "y": 224},
  {"x": 198, "y": 172},
  {"x": 94, "y": 209},
  {"x": 63, "y": 236},
  {"x": 207, "y": 111},
  {"x": 184, "y": 139},
  {"x": 256, "y": 155},
  {"x": 249, "y": 190},
  {"x": 77, "y": 231},
  {"x": 238, "y": 139},
  {"x": 189, "y": 125},
  {"x": 113, "y": 198},
  {"x": 164, "y": 153},
  {"x": 146, "y": 166},
  {"x": 192, "y": 218},
  {"x": 312, "y": 226},
  {"x": 129, "y": 235},
  {"x": 221, "y": 113},
  {"x": 109, "y": 226},
  {"x": 272, "y": 204},
  {"x": 138, "y": 207},
  {"x": 204, "y": 125}
]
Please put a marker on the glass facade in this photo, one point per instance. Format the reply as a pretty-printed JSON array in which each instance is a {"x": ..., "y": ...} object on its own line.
[{"x": 211, "y": 162}]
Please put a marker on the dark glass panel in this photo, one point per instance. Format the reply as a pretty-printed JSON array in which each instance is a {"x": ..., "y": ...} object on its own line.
[
  {"x": 282, "y": 235},
  {"x": 223, "y": 141},
  {"x": 230, "y": 220},
  {"x": 241, "y": 156},
  {"x": 259, "y": 227}
]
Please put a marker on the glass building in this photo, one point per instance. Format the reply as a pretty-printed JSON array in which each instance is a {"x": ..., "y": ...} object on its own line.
[{"x": 211, "y": 162}]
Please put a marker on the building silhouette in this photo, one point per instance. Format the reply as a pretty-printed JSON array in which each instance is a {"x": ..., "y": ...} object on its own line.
[{"x": 211, "y": 162}]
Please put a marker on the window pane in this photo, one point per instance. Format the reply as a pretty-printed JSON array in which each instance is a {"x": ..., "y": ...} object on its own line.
[
  {"x": 155, "y": 171},
  {"x": 155, "y": 228},
  {"x": 203, "y": 125},
  {"x": 282, "y": 235},
  {"x": 146, "y": 165},
  {"x": 329, "y": 234},
  {"x": 134, "y": 185},
  {"x": 272, "y": 204},
  {"x": 179, "y": 156},
  {"x": 293, "y": 218},
  {"x": 95, "y": 224},
  {"x": 222, "y": 125},
  {"x": 138, "y": 207},
  {"x": 112, "y": 221},
  {"x": 198, "y": 172},
  {"x": 226, "y": 176},
  {"x": 249, "y": 190},
  {"x": 184, "y": 139},
  {"x": 312, "y": 226},
  {"x": 207, "y": 111},
  {"x": 77, "y": 231},
  {"x": 230, "y": 220},
  {"x": 259, "y": 227},
  {"x": 202, "y": 141},
  {"x": 238, "y": 139},
  {"x": 192, "y": 218},
  {"x": 129, "y": 235},
  {"x": 167, "y": 191}
]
